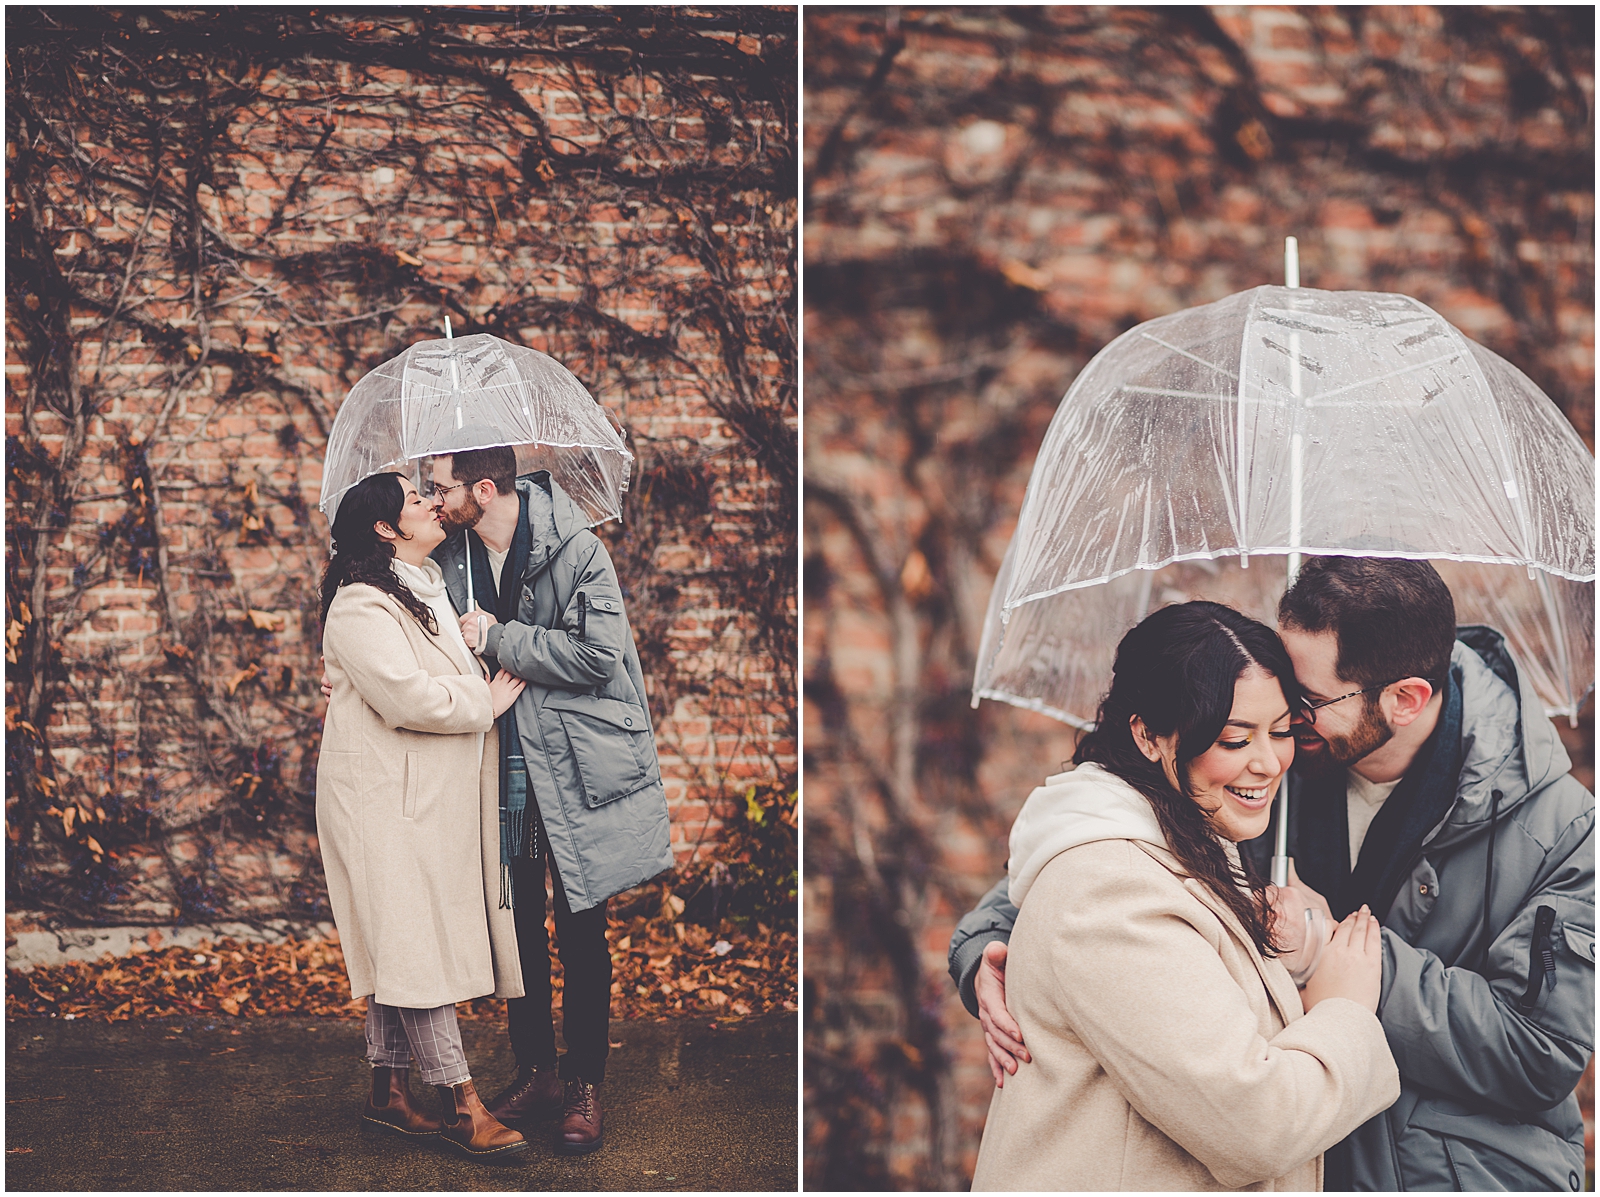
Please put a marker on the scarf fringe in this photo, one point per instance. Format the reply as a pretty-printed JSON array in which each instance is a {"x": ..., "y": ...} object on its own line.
[
  {"x": 513, "y": 825},
  {"x": 513, "y": 820}
]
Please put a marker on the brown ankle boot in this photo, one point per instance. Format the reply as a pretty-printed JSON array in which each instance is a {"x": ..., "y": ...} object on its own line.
[
  {"x": 532, "y": 1094},
  {"x": 581, "y": 1131},
  {"x": 472, "y": 1130},
  {"x": 389, "y": 1106}
]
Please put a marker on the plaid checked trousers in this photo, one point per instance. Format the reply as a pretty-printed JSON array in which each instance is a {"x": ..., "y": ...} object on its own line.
[{"x": 398, "y": 1035}]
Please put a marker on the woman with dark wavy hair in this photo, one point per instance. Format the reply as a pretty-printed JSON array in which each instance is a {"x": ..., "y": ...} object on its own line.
[
  {"x": 408, "y": 813},
  {"x": 1171, "y": 1049}
]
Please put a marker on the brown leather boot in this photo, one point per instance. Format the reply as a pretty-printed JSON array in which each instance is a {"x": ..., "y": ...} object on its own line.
[
  {"x": 534, "y": 1093},
  {"x": 389, "y": 1106},
  {"x": 470, "y": 1129},
  {"x": 581, "y": 1130}
]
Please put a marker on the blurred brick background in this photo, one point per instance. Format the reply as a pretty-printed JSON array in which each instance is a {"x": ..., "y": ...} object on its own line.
[
  {"x": 992, "y": 196},
  {"x": 217, "y": 223}
]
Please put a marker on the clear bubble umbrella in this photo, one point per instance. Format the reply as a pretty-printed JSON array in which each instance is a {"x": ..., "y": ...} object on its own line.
[
  {"x": 1201, "y": 454},
  {"x": 472, "y": 392}
]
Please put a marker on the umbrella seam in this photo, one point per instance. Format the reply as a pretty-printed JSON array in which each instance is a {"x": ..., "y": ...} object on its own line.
[
  {"x": 1034, "y": 704},
  {"x": 1193, "y": 357},
  {"x": 1284, "y": 551}
]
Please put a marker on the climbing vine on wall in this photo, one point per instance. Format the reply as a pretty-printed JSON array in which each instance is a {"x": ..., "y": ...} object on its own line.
[{"x": 216, "y": 223}]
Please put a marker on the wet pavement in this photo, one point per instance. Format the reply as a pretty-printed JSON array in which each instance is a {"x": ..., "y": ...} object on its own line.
[{"x": 274, "y": 1104}]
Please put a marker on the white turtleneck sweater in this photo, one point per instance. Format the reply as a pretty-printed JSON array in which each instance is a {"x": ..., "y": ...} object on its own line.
[{"x": 427, "y": 583}]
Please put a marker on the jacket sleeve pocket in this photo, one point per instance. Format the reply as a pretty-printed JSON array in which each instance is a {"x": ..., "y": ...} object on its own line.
[
  {"x": 413, "y": 783},
  {"x": 611, "y": 745},
  {"x": 1581, "y": 942}
]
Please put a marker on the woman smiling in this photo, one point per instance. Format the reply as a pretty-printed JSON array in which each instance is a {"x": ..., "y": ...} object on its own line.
[{"x": 1171, "y": 1048}]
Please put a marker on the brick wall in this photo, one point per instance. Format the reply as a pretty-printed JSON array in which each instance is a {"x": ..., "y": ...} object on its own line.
[
  {"x": 992, "y": 196},
  {"x": 217, "y": 225}
]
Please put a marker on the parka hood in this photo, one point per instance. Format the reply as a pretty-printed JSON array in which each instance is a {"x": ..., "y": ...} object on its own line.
[
  {"x": 553, "y": 518},
  {"x": 1507, "y": 744},
  {"x": 1073, "y": 808}
]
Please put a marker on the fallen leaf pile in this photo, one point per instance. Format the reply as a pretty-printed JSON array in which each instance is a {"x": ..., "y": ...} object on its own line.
[{"x": 659, "y": 969}]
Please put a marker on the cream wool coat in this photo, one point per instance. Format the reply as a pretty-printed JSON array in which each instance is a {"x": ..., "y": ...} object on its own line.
[
  {"x": 407, "y": 814},
  {"x": 1167, "y": 1053}
]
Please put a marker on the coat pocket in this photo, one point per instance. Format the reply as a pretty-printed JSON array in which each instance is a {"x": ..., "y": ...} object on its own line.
[
  {"x": 412, "y": 784},
  {"x": 611, "y": 745}
]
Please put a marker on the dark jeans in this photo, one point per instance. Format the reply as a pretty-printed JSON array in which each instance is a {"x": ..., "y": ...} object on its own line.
[{"x": 586, "y": 972}]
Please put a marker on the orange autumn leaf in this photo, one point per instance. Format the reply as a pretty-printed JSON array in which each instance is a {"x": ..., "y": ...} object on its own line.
[{"x": 240, "y": 678}]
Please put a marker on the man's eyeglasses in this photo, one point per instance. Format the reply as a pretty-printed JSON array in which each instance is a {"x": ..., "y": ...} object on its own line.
[
  {"x": 438, "y": 492},
  {"x": 1313, "y": 707}
]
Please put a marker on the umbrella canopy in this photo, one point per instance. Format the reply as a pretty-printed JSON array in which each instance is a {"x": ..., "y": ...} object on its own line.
[
  {"x": 469, "y": 393},
  {"x": 1281, "y": 422}
]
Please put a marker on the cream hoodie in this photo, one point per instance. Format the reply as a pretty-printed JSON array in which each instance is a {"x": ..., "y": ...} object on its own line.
[{"x": 1077, "y": 807}]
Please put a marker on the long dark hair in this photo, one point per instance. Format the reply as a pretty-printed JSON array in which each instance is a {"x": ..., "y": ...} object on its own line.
[
  {"x": 1176, "y": 671},
  {"x": 361, "y": 555}
]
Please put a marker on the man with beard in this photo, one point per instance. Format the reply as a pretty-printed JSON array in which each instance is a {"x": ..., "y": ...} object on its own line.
[
  {"x": 1429, "y": 785},
  {"x": 580, "y": 784}
]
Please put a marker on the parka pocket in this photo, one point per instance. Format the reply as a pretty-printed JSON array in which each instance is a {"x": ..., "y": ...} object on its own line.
[
  {"x": 1486, "y": 1153},
  {"x": 413, "y": 782},
  {"x": 611, "y": 745}
]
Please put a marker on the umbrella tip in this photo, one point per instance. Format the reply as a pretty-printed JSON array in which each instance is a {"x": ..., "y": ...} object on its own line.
[
  {"x": 448, "y": 335},
  {"x": 1291, "y": 262}
]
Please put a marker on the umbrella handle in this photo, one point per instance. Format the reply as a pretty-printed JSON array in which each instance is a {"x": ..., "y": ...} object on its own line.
[{"x": 1309, "y": 954}]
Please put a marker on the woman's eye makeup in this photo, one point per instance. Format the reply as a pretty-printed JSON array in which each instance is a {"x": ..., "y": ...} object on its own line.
[{"x": 1235, "y": 745}]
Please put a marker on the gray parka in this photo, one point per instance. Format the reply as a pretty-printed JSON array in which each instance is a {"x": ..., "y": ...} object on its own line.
[
  {"x": 583, "y": 718},
  {"x": 1488, "y": 1059}
]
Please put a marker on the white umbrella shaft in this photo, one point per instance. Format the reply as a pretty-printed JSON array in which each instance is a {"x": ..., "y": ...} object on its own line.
[
  {"x": 1280, "y": 851},
  {"x": 1291, "y": 278},
  {"x": 472, "y": 602},
  {"x": 466, "y": 535},
  {"x": 455, "y": 384}
]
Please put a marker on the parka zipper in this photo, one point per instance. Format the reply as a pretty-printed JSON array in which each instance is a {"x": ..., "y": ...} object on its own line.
[{"x": 583, "y": 616}]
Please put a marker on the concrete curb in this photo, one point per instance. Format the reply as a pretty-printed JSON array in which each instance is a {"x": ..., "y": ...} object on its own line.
[{"x": 27, "y": 950}]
